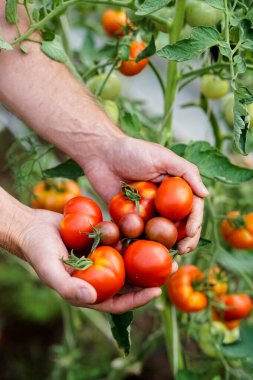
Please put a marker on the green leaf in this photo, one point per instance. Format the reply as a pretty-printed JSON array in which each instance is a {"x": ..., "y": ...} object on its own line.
[
  {"x": 203, "y": 242},
  {"x": 243, "y": 96},
  {"x": 35, "y": 14},
  {"x": 150, "y": 50},
  {"x": 11, "y": 14},
  {"x": 184, "y": 374},
  {"x": 219, "y": 4},
  {"x": 240, "y": 64},
  {"x": 150, "y": 6},
  {"x": 54, "y": 49},
  {"x": 69, "y": 169},
  {"x": 242, "y": 348},
  {"x": 212, "y": 163},
  {"x": 225, "y": 49},
  {"x": 120, "y": 327},
  {"x": 201, "y": 39},
  {"x": 236, "y": 261},
  {"x": 5, "y": 45}
]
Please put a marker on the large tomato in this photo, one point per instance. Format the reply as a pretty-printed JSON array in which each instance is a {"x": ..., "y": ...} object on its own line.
[
  {"x": 114, "y": 21},
  {"x": 213, "y": 87},
  {"x": 237, "y": 306},
  {"x": 106, "y": 272},
  {"x": 125, "y": 202},
  {"x": 84, "y": 205},
  {"x": 147, "y": 263},
  {"x": 112, "y": 87},
  {"x": 238, "y": 233},
  {"x": 199, "y": 13},
  {"x": 130, "y": 67},
  {"x": 53, "y": 194},
  {"x": 180, "y": 287},
  {"x": 174, "y": 198}
]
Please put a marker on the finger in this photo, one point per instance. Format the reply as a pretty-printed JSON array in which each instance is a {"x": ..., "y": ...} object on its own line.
[
  {"x": 174, "y": 266},
  {"x": 180, "y": 167},
  {"x": 189, "y": 243},
  {"x": 195, "y": 218},
  {"x": 121, "y": 304}
]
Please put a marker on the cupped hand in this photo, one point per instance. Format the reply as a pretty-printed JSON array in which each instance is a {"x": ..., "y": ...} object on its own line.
[
  {"x": 129, "y": 159},
  {"x": 42, "y": 247}
]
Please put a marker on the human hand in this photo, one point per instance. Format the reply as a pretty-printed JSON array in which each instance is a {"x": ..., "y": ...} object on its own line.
[{"x": 128, "y": 159}]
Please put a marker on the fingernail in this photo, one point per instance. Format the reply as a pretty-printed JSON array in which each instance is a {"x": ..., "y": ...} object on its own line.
[
  {"x": 204, "y": 190},
  {"x": 85, "y": 295}
]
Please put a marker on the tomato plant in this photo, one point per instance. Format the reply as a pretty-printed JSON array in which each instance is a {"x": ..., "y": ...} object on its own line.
[
  {"x": 213, "y": 87},
  {"x": 238, "y": 231},
  {"x": 112, "y": 110},
  {"x": 217, "y": 281},
  {"x": 114, "y": 22},
  {"x": 129, "y": 67},
  {"x": 147, "y": 263},
  {"x": 199, "y": 13},
  {"x": 53, "y": 194},
  {"x": 236, "y": 306},
  {"x": 180, "y": 287},
  {"x": 111, "y": 89}
]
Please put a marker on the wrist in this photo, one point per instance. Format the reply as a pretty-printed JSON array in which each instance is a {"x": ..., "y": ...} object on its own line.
[{"x": 15, "y": 217}]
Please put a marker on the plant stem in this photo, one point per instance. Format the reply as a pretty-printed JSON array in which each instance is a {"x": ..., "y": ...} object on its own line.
[
  {"x": 213, "y": 122},
  {"x": 172, "y": 74},
  {"x": 158, "y": 76}
]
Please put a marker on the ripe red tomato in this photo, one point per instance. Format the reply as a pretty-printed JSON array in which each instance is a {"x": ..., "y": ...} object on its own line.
[
  {"x": 114, "y": 21},
  {"x": 161, "y": 230},
  {"x": 131, "y": 67},
  {"x": 181, "y": 291},
  {"x": 240, "y": 237},
  {"x": 122, "y": 204},
  {"x": 238, "y": 306},
  {"x": 84, "y": 205},
  {"x": 74, "y": 229},
  {"x": 181, "y": 229},
  {"x": 108, "y": 233},
  {"x": 147, "y": 263},
  {"x": 131, "y": 225},
  {"x": 174, "y": 198},
  {"x": 53, "y": 194},
  {"x": 106, "y": 274}
]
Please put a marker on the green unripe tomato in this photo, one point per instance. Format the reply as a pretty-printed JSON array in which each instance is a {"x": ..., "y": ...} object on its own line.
[
  {"x": 213, "y": 87},
  {"x": 228, "y": 109},
  {"x": 111, "y": 89},
  {"x": 111, "y": 110},
  {"x": 198, "y": 13},
  {"x": 209, "y": 334}
]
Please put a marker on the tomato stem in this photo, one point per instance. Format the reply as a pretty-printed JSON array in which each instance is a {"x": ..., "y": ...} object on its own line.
[
  {"x": 132, "y": 194},
  {"x": 75, "y": 262}
]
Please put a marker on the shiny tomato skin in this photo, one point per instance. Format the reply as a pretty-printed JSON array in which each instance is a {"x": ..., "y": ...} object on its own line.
[
  {"x": 181, "y": 292},
  {"x": 120, "y": 206},
  {"x": 73, "y": 230},
  {"x": 84, "y": 205},
  {"x": 109, "y": 233},
  {"x": 106, "y": 275},
  {"x": 174, "y": 198},
  {"x": 161, "y": 230},
  {"x": 181, "y": 229},
  {"x": 131, "y": 225},
  {"x": 130, "y": 67},
  {"x": 241, "y": 238},
  {"x": 147, "y": 263},
  {"x": 239, "y": 306},
  {"x": 114, "y": 21},
  {"x": 53, "y": 194}
]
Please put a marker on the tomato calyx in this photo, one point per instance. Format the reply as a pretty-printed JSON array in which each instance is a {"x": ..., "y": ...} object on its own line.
[
  {"x": 174, "y": 253},
  {"x": 96, "y": 235},
  {"x": 132, "y": 194},
  {"x": 75, "y": 262}
]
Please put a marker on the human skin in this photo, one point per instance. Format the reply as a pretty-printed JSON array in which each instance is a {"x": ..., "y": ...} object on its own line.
[{"x": 48, "y": 98}]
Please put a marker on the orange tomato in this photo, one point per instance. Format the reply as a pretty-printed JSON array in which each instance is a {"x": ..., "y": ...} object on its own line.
[
  {"x": 130, "y": 67},
  {"x": 238, "y": 237},
  {"x": 114, "y": 21}
]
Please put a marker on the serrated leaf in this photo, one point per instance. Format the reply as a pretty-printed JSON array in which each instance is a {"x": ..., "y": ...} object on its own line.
[
  {"x": 237, "y": 261},
  {"x": 54, "y": 49},
  {"x": 225, "y": 49},
  {"x": 150, "y": 6},
  {"x": 35, "y": 15},
  {"x": 246, "y": 31},
  {"x": 69, "y": 169},
  {"x": 243, "y": 96},
  {"x": 242, "y": 348},
  {"x": 11, "y": 14},
  {"x": 219, "y": 4},
  {"x": 5, "y": 45},
  {"x": 212, "y": 163},
  {"x": 247, "y": 44},
  {"x": 201, "y": 39},
  {"x": 149, "y": 51},
  {"x": 120, "y": 327},
  {"x": 240, "y": 64}
]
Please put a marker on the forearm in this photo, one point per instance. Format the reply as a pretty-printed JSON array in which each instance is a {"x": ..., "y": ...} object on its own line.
[
  {"x": 14, "y": 217},
  {"x": 51, "y": 101}
]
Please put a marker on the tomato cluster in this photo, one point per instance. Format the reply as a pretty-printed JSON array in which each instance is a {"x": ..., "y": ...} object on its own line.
[
  {"x": 237, "y": 230},
  {"x": 136, "y": 243}
]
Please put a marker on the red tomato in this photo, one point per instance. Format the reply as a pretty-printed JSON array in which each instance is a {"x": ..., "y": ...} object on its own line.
[
  {"x": 131, "y": 225},
  {"x": 162, "y": 230},
  {"x": 181, "y": 291},
  {"x": 53, "y": 194},
  {"x": 131, "y": 67},
  {"x": 120, "y": 205},
  {"x": 106, "y": 274},
  {"x": 240, "y": 237},
  {"x": 114, "y": 21},
  {"x": 238, "y": 306},
  {"x": 84, "y": 205},
  {"x": 181, "y": 229},
  {"x": 147, "y": 263},
  {"x": 174, "y": 198},
  {"x": 74, "y": 229}
]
